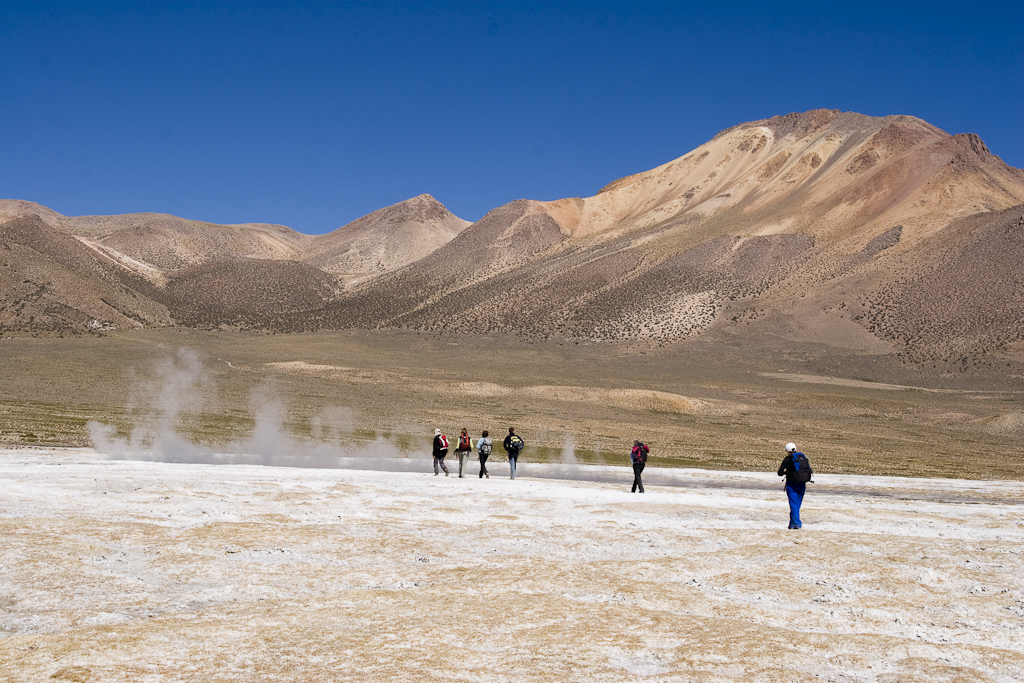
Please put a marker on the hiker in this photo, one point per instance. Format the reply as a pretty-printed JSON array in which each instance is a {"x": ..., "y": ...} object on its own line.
[
  {"x": 440, "y": 450},
  {"x": 638, "y": 458},
  {"x": 797, "y": 470},
  {"x": 512, "y": 444},
  {"x": 483, "y": 449},
  {"x": 463, "y": 450}
]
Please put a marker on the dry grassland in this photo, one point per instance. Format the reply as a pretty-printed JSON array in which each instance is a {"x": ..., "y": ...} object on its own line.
[{"x": 698, "y": 404}]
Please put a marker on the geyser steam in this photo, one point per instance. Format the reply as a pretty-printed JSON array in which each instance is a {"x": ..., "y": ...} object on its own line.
[{"x": 180, "y": 381}]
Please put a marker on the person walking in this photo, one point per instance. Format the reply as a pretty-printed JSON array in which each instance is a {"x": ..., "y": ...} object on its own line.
[
  {"x": 483, "y": 449},
  {"x": 463, "y": 450},
  {"x": 512, "y": 445},
  {"x": 638, "y": 458},
  {"x": 797, "y": 470},
  {"x": 440, "y": 450}
]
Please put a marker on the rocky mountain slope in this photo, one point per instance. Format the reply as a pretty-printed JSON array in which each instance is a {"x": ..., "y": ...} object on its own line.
[
  {"x": 179, "y": 271},
  {"x": 52, "y": 282},
  {"x": 819, "y": 226},
  {"x": 869, "y": 234},
  {"x": 168, "y": 242}
]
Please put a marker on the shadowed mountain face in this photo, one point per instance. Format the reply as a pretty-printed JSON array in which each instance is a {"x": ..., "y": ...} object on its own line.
[
  {"x": 51, "y": 281},
  {"x": 191, "y": 273},
  {"x": 964, "y": 298},
  {"x": 243, "y": 291},
  {"x": 865, "y": 234}
]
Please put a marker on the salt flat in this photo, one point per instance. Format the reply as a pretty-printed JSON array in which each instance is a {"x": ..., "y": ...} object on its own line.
[{"x": 149, "y": 571}]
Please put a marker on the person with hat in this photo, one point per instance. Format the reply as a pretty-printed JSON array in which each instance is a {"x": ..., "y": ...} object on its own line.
[
  {"x": 440, "y": 450},
  {"x": 797, "y": 470}
]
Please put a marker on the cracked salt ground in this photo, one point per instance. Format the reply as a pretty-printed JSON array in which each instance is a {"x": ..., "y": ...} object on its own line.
[{"x": 128, "y": 571}]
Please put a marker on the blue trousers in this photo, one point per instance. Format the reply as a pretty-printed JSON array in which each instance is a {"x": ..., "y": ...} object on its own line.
[
  {"x": 795, "y": 493},
  {"x": 512, "y": 458}
]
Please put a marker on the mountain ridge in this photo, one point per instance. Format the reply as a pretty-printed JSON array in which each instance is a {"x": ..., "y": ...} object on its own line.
[{"x": 822, "y": 215}]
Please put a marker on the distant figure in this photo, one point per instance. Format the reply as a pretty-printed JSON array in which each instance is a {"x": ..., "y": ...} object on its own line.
[
  {"x": 513, "y": 444},
  {"x": 797, "y": 470},
  {"x": 440, "y": 450},
  {"x": 638, "y": 458},
  {"x": 464, "y": 449},
  {"x": 483, "y": 449}
]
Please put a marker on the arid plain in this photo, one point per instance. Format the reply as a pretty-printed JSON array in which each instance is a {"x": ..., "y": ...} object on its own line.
[
  {"x": 148, "y": 571},
  {"x": 699, "y": 403},
  {"x": 215, "y": 438}
]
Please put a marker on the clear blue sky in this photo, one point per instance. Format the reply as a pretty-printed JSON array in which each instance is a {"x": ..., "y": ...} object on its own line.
[{"x": 313, "y": 114}]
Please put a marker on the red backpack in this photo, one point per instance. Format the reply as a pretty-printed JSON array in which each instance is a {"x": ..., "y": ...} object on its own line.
[
  {"x": 464, "y": 443},
  {"x": 444, "y": 441},
  {"x": 640, "y": 453}
]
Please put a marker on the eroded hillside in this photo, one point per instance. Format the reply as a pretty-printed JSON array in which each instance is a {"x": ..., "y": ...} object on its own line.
[
  {"x": 167, "y": 270},
  {"x": 813, "y": 225},
  {"x": 861, "y": 233}
]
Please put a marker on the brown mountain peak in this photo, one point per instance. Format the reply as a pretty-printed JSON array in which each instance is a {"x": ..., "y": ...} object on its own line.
[
  {"x": 973, "y": 143},
  {"x": 385, "y": 239},
  {"x": 800, "y": 124}
]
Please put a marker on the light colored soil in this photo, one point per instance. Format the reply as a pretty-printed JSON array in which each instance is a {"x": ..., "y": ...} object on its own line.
[{"x": 129, "y": 571}]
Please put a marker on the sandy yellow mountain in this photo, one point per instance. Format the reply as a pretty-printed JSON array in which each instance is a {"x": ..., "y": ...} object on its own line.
[
  {"x": 823, "y": 173},
  {"x": 807, "y": 226},
  {"x": 168, "y": 242}
]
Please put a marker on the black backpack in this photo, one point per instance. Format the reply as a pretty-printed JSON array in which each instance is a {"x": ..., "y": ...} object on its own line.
[
  {"x": 640, "y": 453},
  {"x": 515, "y": 443},
  {"x": 800, "y": 468}
]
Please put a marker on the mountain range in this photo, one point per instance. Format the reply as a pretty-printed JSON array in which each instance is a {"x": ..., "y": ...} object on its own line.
[{"x": 868, "y": 234}]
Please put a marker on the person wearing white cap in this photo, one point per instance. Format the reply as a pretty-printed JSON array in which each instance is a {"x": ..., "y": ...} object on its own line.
[
  {"x": 440, "y": 450},
  {"x": 797, "y": 470}
]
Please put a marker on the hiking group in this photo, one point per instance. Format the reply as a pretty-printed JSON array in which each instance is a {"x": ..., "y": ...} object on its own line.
[
  {"x": 512, "y": 445},
  {"x": 795, "y": 467}
]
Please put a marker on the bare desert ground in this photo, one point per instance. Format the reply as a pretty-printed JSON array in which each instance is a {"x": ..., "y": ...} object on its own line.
[{"x": 114, "y": 570}]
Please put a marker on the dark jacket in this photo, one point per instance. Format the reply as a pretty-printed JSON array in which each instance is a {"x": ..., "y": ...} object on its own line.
[
  {"x": 439, "y": 452},
  {"x": 509, "y": 448},
  {"x": 786, "y": 468}
]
